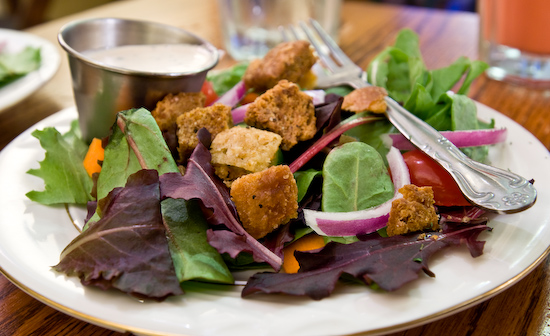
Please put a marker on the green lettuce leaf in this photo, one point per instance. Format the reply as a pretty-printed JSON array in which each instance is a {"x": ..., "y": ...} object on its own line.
[{"x": 65, "y": 179}]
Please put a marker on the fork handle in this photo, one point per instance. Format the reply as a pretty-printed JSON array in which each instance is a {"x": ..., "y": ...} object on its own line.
[{"x": 488, "y": 187}]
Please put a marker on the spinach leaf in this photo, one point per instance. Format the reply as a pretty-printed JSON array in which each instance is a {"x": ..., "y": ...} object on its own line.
[{"x": 355, "y": 178}]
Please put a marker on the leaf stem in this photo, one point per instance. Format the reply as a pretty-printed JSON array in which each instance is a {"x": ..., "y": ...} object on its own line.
[{"x": 121, "y": 123}]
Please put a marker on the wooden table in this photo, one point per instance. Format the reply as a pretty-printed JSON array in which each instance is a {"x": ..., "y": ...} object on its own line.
[{"x": 366, "y": 29}]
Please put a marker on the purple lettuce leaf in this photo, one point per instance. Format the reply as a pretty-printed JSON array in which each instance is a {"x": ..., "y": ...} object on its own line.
[
  {"x": 390, "y": 262},
  {"x": 128, "y": 244},
  {"x": 199, "y": 182}
]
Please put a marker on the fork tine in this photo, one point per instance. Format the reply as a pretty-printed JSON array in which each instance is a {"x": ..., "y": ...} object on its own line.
[
  {"x": 294, "y": 32},
  {"x": 283, "y": 33},
  {"x": 336, "y": 51},
  {"x": 325, "y": 58}
]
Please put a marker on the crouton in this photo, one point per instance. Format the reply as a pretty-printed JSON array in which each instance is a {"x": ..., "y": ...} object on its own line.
[
  {"x": 285, "y": 110},
  {"x": 289, "y": 60},
  {"x": 414, "y": 212},
  {"x": 172, "y": 106},
  {"x": 370, "y": 98},
  {"x": 243, "y": 150},
  {"x": 215, "y": 119},
  {"x": 265, "y": 200}
]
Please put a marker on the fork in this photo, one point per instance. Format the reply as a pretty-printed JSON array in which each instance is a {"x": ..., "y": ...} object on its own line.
[{"x": 485, "y": 186}]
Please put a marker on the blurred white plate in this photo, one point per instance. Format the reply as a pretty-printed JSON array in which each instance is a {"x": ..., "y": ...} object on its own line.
[
  {"x": 20, "y": 89},
  {"x": 32, "y": 237}
]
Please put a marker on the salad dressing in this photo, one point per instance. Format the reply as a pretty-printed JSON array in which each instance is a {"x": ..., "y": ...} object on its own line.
[{"x": 155, "y": 58}]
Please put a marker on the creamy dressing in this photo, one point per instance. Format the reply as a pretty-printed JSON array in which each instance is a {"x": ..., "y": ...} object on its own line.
[{"x": 157, "y": 58}]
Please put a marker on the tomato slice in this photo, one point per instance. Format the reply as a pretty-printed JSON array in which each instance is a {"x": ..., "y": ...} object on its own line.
[
  {"x": 208, "y": 90},
  {"x": 425, "y": 171}
]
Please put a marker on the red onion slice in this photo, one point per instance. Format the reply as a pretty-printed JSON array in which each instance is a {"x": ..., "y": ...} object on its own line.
[
  {"x": 233, "y": 96},
  {"x": 238, "y": 114}
]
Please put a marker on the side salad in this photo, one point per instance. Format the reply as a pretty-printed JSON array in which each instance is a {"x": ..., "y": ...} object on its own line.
[
  {"x": 150, "y": 228},
  {"x": 14, "y": 65}
]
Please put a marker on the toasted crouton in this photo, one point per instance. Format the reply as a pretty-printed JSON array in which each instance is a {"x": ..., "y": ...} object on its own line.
[
  {"x": 265, "y": 200},
  {"x": 243, "y": 150},
  {"x": 285, "y": 110},
  {"x": 215, "y": 118},
  {"x": 414, "y": 212},
  {"x": 173, "y": 105},
  {"x": 370, "y": 98},
  {"x": 289, "y": 60}
]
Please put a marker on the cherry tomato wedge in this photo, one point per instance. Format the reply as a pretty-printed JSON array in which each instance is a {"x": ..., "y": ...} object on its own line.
[
  {"x": 425, "y": 171},
  {"x": 209, "y": 92}
]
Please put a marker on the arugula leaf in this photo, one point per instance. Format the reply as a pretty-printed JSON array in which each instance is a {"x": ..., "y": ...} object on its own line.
[
  {"x": 476, "y": 69},
  {"x": 389, "y": 262},
  {"x": 355, "y": 178},
  {"x": 66, "y": 180},
  {"x": 445, "y": 78},
  {"x": 400, "y": 69}
]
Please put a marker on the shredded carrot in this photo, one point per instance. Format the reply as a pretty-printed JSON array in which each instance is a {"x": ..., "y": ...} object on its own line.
[
  {"x": 306, "y": 243},
  {"x": 95, "y": 154}
]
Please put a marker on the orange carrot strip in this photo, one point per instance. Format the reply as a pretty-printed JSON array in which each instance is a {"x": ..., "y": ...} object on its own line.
[
  {"x": 306, "y": 243},
  {"x": 95, "y": 153}
]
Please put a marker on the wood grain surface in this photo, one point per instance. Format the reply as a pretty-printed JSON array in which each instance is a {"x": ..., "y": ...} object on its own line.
[{"x": 365, "y": 30}]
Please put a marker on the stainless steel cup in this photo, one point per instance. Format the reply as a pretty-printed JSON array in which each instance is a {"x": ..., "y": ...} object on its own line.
[{"x": 100, "y": 91}]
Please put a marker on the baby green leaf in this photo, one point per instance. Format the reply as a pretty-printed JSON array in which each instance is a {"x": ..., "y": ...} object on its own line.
[
  {"x": 193, "y": 257},
  {"x": 66, "y": 180},
  {"x": 355, "y": 178}
]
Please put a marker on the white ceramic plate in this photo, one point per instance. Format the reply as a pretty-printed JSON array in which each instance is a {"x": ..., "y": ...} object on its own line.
[
  {"x": 32, "y": 237},
  {"x": 18, "y": 90}
]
